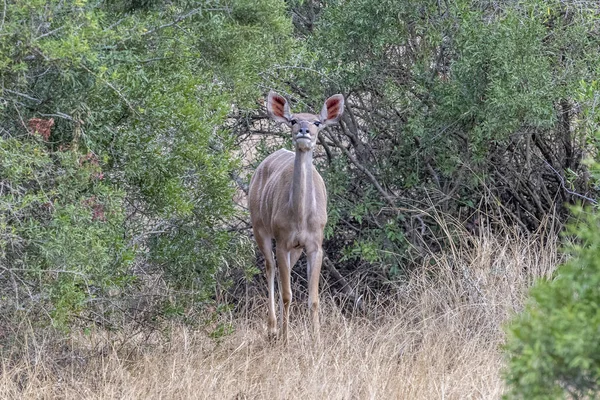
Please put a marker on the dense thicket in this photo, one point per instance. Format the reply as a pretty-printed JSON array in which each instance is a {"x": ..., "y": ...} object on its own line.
[
  {"x": 553, "y": 344},
  {"x": 128, "y": 126},
  {"x": 115, "y": 161},
  {"x": 467, "y": 108}
]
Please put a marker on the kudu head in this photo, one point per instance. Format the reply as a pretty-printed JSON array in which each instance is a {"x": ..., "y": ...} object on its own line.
[{"x": 305, "y": 126}]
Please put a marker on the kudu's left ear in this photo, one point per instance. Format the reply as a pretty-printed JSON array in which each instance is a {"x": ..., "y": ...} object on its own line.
[
  {"x": 332, "y": 110},
  {"x": 278, "y": 108}
]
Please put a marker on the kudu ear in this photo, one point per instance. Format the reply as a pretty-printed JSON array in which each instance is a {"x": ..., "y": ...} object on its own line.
[
  {"x": 332, "y": 110},
  {"x": 278, "y": 108}
]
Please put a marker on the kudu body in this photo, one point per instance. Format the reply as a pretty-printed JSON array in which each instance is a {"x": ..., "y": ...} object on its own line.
[{"x": 288, "y": 203}]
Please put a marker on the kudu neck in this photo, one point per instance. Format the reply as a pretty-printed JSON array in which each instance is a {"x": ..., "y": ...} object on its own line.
[{"x": 302, "y": 196}]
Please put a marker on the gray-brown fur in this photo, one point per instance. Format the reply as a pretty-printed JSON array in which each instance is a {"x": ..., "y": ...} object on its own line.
[{"x": 288, "y": 203}]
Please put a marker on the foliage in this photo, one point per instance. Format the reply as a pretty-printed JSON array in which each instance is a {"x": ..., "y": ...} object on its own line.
[
  {"x": 554, "y": 344},
  {"x": 61, "y": 226},
  {"x": 462, "y": 107},
  {"x": 139, "y": 93},
  {"x": 124, "y": 201}
]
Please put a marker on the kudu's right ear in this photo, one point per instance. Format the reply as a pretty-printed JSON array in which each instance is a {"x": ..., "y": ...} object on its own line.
[
  {"x": 332, "y": 110},
  {"x": 278, "y": 108}
]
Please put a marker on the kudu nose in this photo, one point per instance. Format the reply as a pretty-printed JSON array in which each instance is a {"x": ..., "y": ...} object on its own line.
[{"x": 303, "y": 131}]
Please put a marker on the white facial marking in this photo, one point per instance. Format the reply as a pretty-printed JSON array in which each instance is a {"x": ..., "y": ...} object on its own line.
[{"x": 304, "y": 144}]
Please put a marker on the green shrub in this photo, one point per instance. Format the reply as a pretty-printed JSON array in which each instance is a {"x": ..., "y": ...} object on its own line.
[
  {"x": 62, "y": 241},
  {"x": 554, "y": 344},
  {"x": 132, "y": 182}
]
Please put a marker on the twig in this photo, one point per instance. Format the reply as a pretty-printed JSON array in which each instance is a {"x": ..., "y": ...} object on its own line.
[
  {"x": 21, "y": 118},
  {"x": 345, "y": 287},
  {"x": 182, "y": 17},
  {"x": 365, "y": 171},
  {"x": 49, "y": 33},
  {"x": 59, "y": 114},
  {"x": 22, "y": 95},
  {"x": 562, "y": 183},
  {"x": 240, "y": 183},
  {"x": 110, "y": 28},
  {"x": 3, "y": 16},
  {"x": 110, "y": 85},
  {"x": 321, "y": 74}
]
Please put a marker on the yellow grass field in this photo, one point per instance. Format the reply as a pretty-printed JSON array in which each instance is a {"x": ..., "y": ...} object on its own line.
[{"x": 440, "y": 337}]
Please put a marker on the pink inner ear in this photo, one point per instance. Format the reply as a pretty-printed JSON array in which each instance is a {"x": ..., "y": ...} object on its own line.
[
  {"x": 278, "y": 106},
  {"x": 333, "y": 108}
]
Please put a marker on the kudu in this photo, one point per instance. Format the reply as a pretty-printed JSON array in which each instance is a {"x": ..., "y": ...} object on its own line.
[{"x": 288, "y": 203}]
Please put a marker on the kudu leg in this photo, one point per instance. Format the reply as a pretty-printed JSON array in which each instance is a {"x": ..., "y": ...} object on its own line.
[
  {"x": 285, "y": 288},
  {"x": 266, "y": 247},
  {"x": 314, "y": 259},
  {"x": 294, "y": 257}
]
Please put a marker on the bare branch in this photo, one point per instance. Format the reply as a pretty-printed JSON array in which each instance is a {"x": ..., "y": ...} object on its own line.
[
  {"x": 59, "y": 114},
  {"x": 49, "y": 33},
  {"x": 3, "y": 16},
  {"x": 562, "y": 183},
  {"x": 22, "y": 95},
  {"x": 365, "y": 171}
]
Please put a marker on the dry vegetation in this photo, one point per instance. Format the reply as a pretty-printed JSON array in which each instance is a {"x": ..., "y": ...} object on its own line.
[{"x": 439, "y": 337}]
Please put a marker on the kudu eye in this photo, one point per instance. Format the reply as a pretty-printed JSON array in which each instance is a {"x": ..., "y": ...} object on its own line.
[
  {"x": 317, "y": 123},
  {"x": 293, "y": 122}
]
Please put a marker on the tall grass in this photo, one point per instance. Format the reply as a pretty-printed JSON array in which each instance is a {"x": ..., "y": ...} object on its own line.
[{"x": 438, "y": 337}]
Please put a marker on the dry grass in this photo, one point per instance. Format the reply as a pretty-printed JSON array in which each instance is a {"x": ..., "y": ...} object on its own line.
[{"x": 439, "y": 338}]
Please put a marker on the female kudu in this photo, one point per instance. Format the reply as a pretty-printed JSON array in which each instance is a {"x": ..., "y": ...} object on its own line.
[{"x": 288, "y": 203}]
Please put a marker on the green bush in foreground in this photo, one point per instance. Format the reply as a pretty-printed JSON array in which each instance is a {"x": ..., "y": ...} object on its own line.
[{"x": 554, "y": 345}]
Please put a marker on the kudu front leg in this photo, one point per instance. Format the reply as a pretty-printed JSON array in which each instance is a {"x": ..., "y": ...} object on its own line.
[
  {"x": 266, "y": 247},
  {"x": 314, "y": 259},
  {"x": 285, "y": 289}
]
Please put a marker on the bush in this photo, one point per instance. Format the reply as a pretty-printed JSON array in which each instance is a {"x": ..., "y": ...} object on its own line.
[
  {"x": 554, "y": 344},
  {"x": 130, "y": 182},
  {"x": 465, "y": 107},
  {"x": 62, "y": 236}
]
